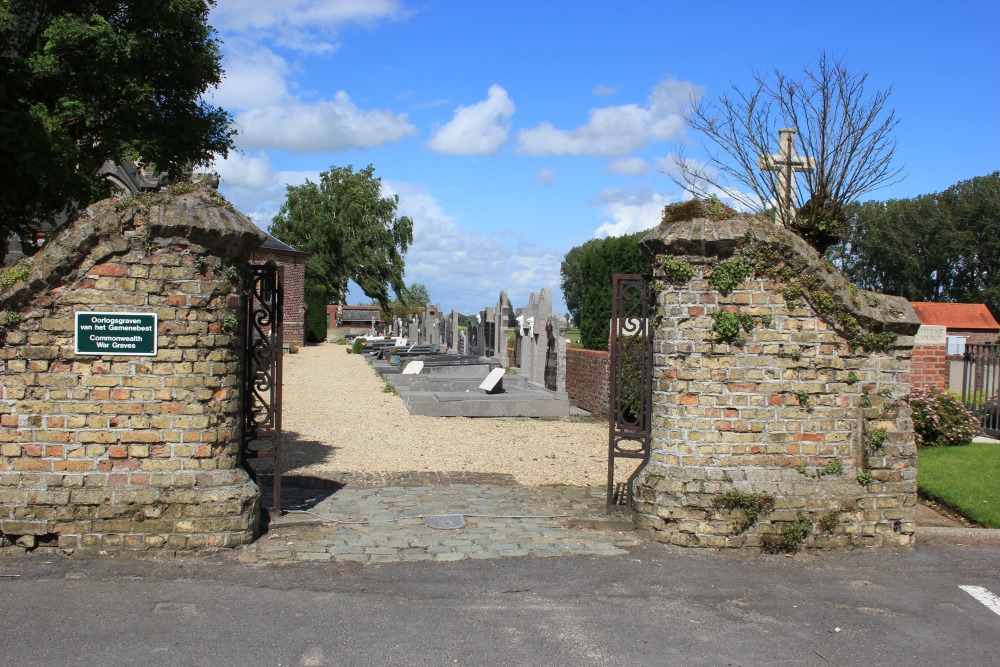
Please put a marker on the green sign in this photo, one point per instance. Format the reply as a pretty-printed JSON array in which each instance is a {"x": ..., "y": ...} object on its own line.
[{"x": 116, "y": 333}]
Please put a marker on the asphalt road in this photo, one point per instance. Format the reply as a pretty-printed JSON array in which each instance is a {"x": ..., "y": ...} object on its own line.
[{"x": 655, "y": 606}]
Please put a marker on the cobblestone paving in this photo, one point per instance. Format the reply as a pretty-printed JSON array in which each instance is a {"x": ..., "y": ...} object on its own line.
[{"x": 368, "y": 522}]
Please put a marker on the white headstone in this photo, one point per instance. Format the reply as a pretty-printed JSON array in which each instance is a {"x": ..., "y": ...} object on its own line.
[
  {"x": 413, "y": 368},
  {"x": 493, "y": 384}
]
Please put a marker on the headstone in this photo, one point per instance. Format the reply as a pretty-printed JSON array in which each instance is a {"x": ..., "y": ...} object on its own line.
[
  {"x": 413, "y": 368},
  {"x": 493, "y": 384},
  {"x": 453, "y": 335},
  {"x": 501, "y": 318},
  {"x": 786, "y": 163},
  {"x": 413, "y": 329},
  {"x": 543, "y": 311},
  {"x": 555, "y": 330}
]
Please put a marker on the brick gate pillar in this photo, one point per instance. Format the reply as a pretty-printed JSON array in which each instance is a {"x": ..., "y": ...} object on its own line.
[
  {"x": 779, "y": 412},
  {"x": 124, "y": 449}
]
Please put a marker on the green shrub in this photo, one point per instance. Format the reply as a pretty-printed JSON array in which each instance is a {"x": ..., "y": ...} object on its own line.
[
  {"x": 598, "y": 264},
  {"x": 940, "y": 419},
  {"x": 315, "y": 312},
  {"x": 356, "y": 348}
]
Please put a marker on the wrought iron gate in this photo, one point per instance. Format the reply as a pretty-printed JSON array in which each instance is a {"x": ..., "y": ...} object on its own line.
[
  {"x": 981, "y": 385},
  {"x": 631, "y": 381},
  {"x": 262, "y": 348}
]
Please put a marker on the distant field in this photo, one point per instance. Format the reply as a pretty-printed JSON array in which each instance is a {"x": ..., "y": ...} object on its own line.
[
  {"x": 573, "y": 335},
  {"x": 965, "y": 478}
]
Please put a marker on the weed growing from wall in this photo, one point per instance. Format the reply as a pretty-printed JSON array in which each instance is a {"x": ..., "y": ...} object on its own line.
[
  {"x": 752, "y": 507},
  {"x": 791, "y": 537}
]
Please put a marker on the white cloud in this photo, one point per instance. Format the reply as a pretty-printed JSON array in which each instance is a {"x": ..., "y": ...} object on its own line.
[
  {"x": 255, "y": 187},
  {"x": 630, "y": 211},
  {"x": 617, "y": 130},
  {"x": 631, "y": 166},
  {"x": 465, "y": 269},
  {"x": 546, "y": 177},
  {"x": 479, "y": 129},
  {"x": 303, "y": 25},
  {"x": 255, "y": 76},
  {"x": 327, "y": 125},
  {"x": 604, "y": 90}
]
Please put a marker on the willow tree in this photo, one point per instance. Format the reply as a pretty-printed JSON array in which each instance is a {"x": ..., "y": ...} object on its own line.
[
  {"x": 351, "y": 230},
  {"x": 845, "y": 132},
  {"x": 85, "y": 81}
]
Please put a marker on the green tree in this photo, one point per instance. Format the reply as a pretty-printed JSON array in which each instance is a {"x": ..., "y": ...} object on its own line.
[
  {"x": 935, "y": 247},
  {"x": 85, "y": 81},
  {"x": 415, "y": 297},
  {"x": 598, "y": 264},
  {"x": 572, "y": 280},
  {"x": 351, "y": 230}
]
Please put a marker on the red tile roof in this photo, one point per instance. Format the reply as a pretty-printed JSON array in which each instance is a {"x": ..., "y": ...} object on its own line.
[{"x": 956, "y": 315}]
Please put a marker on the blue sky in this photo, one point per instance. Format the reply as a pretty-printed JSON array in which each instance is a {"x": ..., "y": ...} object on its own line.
[{"x": 515, "y": 130}]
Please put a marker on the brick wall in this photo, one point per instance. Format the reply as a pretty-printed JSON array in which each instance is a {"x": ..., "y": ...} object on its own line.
[
  {"x": 128, "y": 452},
  {"x": 587, "y": 373},
  {"x": 798, "y": 411},
  {"x": 929, "y": 365},
  {"x": 293, "y": 330}
]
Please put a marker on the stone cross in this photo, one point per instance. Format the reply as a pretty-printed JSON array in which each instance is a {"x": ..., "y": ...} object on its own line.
[{"x": 786, "y": 163}]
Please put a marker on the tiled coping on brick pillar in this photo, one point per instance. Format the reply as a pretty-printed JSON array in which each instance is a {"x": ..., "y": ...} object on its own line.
[
  {"x": 794, "y": 412},
  {"x": 129, "y": 452}
]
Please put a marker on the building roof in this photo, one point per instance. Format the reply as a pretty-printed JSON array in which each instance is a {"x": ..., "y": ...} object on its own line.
[
  {"x": 956, "y": 315},
  {"x": 273, "y": 245}
]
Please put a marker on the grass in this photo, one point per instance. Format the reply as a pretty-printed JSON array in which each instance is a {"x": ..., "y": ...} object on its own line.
[
  {"x": 573, "y": 335},
  {"x": 966, "y": 478}
]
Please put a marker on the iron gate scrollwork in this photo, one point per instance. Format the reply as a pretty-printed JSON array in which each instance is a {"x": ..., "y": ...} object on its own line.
[
  {"x": 631, "y": 381},
  {"x": 262, "y": 349}
]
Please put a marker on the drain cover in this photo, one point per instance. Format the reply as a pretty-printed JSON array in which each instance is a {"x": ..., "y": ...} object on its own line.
[{"x": 445, "y": 521}]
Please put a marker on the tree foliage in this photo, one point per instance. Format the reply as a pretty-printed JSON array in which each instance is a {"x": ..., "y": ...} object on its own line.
[
  {"x": 572, "y": 280},
  {"x": 351, "y": 230},
  {"x": 845, "y": 130},
  {"x": 598, "y": 264},
  {"x": 413, "y": 299},
  {"x": 936, "y": 247},
  {"x": 85, "y": 81}
]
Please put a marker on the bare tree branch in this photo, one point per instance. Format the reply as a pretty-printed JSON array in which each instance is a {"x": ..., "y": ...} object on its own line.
[{"x": 846, "y": 131}]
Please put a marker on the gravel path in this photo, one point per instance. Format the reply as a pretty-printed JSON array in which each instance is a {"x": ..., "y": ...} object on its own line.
[{"x": 337, "y": 419}]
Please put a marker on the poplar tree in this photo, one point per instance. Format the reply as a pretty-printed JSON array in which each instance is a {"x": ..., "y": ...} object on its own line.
[{"x": 351, "y": 230}]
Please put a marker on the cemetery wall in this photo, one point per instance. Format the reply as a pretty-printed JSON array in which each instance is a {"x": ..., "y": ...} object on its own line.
[
  {"x": 798, "y": 410},
  {"x": 587, "y": 373},
  {"x": 126, "y": 452}
]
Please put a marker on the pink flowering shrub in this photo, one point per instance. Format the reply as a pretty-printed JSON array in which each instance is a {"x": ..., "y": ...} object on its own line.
[{"x": 941, "y": 420}]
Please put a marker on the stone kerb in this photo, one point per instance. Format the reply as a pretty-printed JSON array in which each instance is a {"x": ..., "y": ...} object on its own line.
[
  {"x": 801, "y": 404},
  {"x": 129, "y": 452}
]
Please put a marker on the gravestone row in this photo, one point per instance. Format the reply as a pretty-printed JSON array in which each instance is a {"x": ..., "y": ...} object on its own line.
[{"x": 539, "y": 336}]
